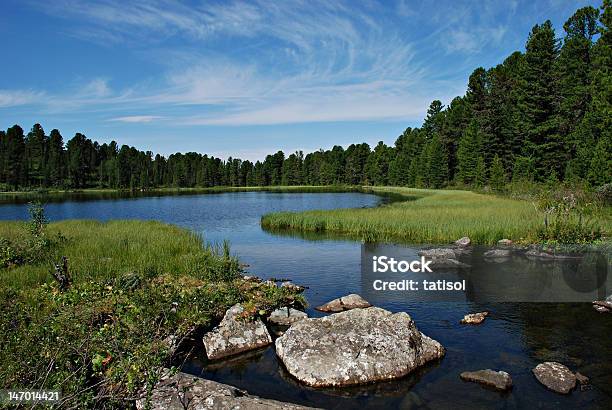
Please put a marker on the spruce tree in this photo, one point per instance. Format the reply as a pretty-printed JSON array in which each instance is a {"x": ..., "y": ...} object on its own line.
[{"x": 497, "y": 177}]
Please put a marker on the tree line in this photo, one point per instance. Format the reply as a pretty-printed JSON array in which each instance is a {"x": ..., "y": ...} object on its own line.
[{"x": 541, "y": 115}]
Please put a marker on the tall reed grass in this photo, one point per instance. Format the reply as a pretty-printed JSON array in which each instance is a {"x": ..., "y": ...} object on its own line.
[{"x": 426, "y": 216}]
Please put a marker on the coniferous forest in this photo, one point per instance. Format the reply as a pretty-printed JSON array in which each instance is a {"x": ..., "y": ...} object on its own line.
[{"x": 541, "y": 115}]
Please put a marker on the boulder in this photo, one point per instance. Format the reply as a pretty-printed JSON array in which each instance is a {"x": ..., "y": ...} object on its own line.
[
  {"x": 474, "y": 318},
  {"x": 504, "y": 242},
  {"x": 498, "y": 380},
  {"x": 355, "y": 347},
  {"x": 185, "y": 392},
  {"x": 498, "y": 254},
  {"x": 555, "y": 376},
  {"x": 235, "y": 335},
  {"x": 352, "y": 301},
  {"x": 286, "y": 316},
  {"x": 465, "y": 241},
  {"x": 444, "y": 257}
]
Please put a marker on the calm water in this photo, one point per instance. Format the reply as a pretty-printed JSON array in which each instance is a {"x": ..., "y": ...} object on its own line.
[{"x": 515, "y": 338}]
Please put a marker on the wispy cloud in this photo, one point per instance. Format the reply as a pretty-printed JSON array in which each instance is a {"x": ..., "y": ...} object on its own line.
[
  {"x": 263, "y": 62},
  {"x": 13, "y": 98},
  {"x": 137, "y": 118}
]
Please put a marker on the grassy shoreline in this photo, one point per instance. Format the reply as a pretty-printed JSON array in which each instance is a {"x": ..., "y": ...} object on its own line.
[
  {"x": 134, "y": 285},
  {"x": 426, "y": 216}
]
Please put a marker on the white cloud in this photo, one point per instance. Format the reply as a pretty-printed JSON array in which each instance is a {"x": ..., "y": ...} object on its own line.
[
  {"x": 13, "y": 98},
  {"x": 137, "y": 118}
]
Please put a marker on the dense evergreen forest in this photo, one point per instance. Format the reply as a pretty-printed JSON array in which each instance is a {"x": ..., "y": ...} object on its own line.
[{"x": 541, "y": 115}]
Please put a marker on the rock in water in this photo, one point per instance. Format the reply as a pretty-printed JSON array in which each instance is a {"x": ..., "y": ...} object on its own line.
[
  {"x": 465, "y": 241},
  {"x": 347, "y": 302},
  {"x": 602, "y": 306},
  {"x": 498, "y": 380},
  {"x": 504, "y": 242},
  {"x": 185, "y": 392},
  {"x": 474, "y": 318},
  {"x": 286, "y": 316},
  {"x": 355, "y": 347},
  {"x": 438, "y": 253},
  {"x": 235, "y": 335},
  {"x": 555, "y": 376},
  {"x": 498, "y": 253}
]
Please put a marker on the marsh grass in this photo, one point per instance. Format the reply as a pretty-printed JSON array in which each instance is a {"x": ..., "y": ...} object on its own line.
[
  {"x": 430, "y": 216},
  {"x": 103, "y": 250}
]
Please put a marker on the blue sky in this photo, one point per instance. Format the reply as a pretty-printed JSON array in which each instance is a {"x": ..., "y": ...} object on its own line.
[{"x": 249, "y": 78}]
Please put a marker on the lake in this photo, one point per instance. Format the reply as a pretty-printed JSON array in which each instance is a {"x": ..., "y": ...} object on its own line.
[{"x": 514, "y": 338}]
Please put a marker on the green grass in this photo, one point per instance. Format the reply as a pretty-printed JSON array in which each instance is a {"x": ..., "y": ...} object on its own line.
[
  {"x": 134, "y": 284},
  {"x": 425, "y": 216},
  {"x": 98, "y": 250}
]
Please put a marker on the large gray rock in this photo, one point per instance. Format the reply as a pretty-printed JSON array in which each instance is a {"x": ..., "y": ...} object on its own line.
[
  {"x": 352, "y": 301},
  {"x": 235, "y": 335},
  {"x": 355, "y": 347},
  {"x": 555, "y": 376},
  {"x": 184, "y": 392},
  {"x": 286, "y": 316},
  {"x": 498, "y": 380}
]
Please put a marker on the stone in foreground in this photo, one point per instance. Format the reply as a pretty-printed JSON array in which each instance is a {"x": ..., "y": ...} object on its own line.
[
  {"x": 499, "y": 380},
  {"x": 474, "y": 318},
  {"x": 465, "y": 241},
  {"x": 555, "y": 376},
  {"x": 355, "y": 347},
  {"x": 286, "y": 316},
  {"x": 184, "y": 392},
  {"x": 235, "y": 335},
  {"x": 348, "y": 302}
]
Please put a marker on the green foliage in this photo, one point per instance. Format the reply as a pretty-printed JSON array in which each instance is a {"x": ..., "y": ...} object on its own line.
[
  {"x": 103, "y": 339},
  {"x": 568, "y": 216},
  {"x": 497, "y": 175}
]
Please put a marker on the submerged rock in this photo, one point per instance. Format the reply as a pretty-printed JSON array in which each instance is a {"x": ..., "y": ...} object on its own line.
[
  {"x": 185, "y": 392},
  {"x": 438, "y": 253},
  {"x": 352, "y": 301},
  {"x": 355, "y": 347},
  {"x": 498, "y": 380},
  {"x": 474, "y": 318},
  {"x": 286, "y": 316},
  {"x": 465, "y": 241},
  {"x": 555, "y": 376},
  {"x": 498, "y": 254},
  {"x": 235, "y": 335},
  {"x": 444, "y": 257}
]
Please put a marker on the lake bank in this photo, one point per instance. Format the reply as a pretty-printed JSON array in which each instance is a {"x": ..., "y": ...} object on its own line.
[
  {"x": 427, "y": 216},
  {"x": 132, "y": 287}
]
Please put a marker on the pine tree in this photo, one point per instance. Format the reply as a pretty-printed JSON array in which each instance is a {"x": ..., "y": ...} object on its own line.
[
  {"x": 436, "y": 159},
  {"x": 538, "y": 101},
  {"x": 468, "y": 154},
  {"x": 497, "y": 177},
  {"x": 600, "y": 169}
]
